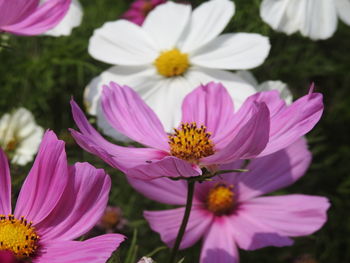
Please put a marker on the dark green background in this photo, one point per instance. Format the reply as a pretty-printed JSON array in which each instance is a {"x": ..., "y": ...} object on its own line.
[{"x": 42, "y": 73}]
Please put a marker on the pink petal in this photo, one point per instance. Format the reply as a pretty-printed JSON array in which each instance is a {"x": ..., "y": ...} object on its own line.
[
  {"x": 81, "y": 205},
  {"x": 129, "y": 114},
  {"x": 116, "y": 156},
  {"x": 45, "y": 17},
  {"x": 5, "y": 185},
  {"x": 167, "y": 224},
  {"x": 272, "y": 172},
  {"x": 269, "y": 221},
  {"x": 45, "y": 182},
  {"x": 7, "y": 257},
  {"x": 210, "y": 105},
  {"x": 94, "y": 250},
  {"x": 250, "y": 139},
  {"x": 16, "y": 10},
  {"x": 218, "y": 244},
  {"x": 163, "y": 190},
  {"x": 169, "y": 166},
  {"x": 289, "y": 123}
]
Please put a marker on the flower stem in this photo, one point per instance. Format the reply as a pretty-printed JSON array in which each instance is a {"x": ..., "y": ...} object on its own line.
[{"x": 180, "y": 234}]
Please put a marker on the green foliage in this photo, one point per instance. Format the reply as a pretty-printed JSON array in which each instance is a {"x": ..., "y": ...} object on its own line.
[{"x": 42, "y": 73}]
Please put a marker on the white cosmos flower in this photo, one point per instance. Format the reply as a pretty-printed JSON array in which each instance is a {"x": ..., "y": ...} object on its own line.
[
  {"x": 20, "y": 136},
  {"x": 175, "y": 50},
  {"x": 71, "y": 20},
  {"x": 316, "y": 19},
  {"x": 268, "y": 85}
]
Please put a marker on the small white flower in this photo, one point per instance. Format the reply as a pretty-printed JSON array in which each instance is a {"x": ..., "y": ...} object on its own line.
[
  {"x": 316, "y": 19},
  {"x": 71, "y": 20},
  {"x": 175, "y": 50},
  {"x": 268, "y": 85},
  {"x": 145, "y": 260},
  {"x": 20, "y": 136}
]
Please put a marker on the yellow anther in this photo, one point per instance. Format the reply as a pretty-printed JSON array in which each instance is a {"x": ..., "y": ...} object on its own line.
[
  {"x": 191, "y": 143},
  {"x": 220, "y": 199},
  {"x": 172, "y": 63},
  {"x": 18, "y": 236}
]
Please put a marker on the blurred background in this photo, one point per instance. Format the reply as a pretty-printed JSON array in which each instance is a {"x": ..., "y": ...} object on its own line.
[{"x": 43, "y": 73}]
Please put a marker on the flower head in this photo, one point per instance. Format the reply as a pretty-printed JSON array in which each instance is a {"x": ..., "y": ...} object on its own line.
[
  {"x": 20, "y": 136},
  {"x": 30, "y": 17},
  {"x": 111, "y": 220},
  {"x": 71, "y": 20},
  {"x": 210, "y": 132},
  {"x": 229, "y": 211},
  {"x": 139, "y": 9},
  {"x": 175, "y": 50},
  {"x": 314, "y": 19},
  {"x": 57, "y": 204}
]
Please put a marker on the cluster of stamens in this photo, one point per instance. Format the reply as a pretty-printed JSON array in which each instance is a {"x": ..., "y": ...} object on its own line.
[
  {"x": 18, "y": 236},
  {"x": 172, "y": 63},
  {"x": 220, "y": 199},
  {"x": 190, "y": 142}
]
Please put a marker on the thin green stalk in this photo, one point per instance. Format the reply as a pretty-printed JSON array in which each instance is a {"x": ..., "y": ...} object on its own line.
[{"x": 190, "y": 192}]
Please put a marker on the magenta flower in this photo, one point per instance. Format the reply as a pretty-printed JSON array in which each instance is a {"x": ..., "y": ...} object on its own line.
[
  {"x": 210, "y": 133},
  {"x": 29, "y": 17},
  {"x": 229, "y": 211},
  {"x": 139, "y": 9},
  {"x": 57, "y": 204}
]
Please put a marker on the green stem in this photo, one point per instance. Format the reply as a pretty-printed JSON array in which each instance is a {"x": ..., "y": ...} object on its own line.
[{"x": 180, "y": 234}]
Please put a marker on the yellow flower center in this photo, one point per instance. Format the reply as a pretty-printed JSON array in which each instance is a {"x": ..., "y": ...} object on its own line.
[
  {"x": 172, "y": 63},
  {"x": 191, "y": 143},
  {"x": 18, "y": 236},
  {"x": 220, "y": 199}
]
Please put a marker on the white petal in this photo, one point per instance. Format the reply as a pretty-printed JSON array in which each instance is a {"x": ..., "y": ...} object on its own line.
[
  {"x": 166, "y": 23},
  {"x": 275, "y": 13},
  {"x": 248, "y": 76},
  {"x": 277, "y": 85},
  {"x": 123, "y": 75},
  {"x": 71, "y": 20},
  {"x": 320, "y": 20},
  {"x": 207, "y": 22},
  {"x": 238, "y": 87},
  {"x": 233, "y": 51},
  {"x": 343, "y": 8},
  {"x": 122, "y": 42}
]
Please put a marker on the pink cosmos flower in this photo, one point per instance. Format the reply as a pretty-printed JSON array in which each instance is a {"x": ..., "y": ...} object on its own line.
[
  {"x": 139, "y": 9},
  {"x": 210, "y": 133},
  {"x": 229, "y": 211},
  {"x": 57, "y": 204},
  {"x": 29, "y": 17}
]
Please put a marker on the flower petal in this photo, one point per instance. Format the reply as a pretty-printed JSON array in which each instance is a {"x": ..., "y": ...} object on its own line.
[
  {"x": 166, "y": 23},
  {"x": 218, "y": 244},
  {"x": 269, "y": 221},
  {"x": 122, "y": 42},
  {"x": 46, "y": 181},
  {"x": 209, "y": 105},
  {"x": 343, "y": 9},
  {"x": 169, "y": 166},
  {"x": 81, "y": 206},
  {"x": 282, "y": 88},
  {"x": 16, "y": 10},
  {"x": 207, "y": 22},
  {"x": 116, "y": 156},
  {"x": 71, "y": 20},
  {"x": 163, "y": 190},
  {"x": 249, "y": 139},
  {"x": 167, "y": 224},
  {"x": 5, "y": 185},
  {"x": 289, "y": 123},
  {"x": 45, "y": 17},
  {"x": 233, "y": 51},
  {"x": 95, "y": 250},
  {"x": 130, "y": 115},
  {"x": 272, "y": 172}
]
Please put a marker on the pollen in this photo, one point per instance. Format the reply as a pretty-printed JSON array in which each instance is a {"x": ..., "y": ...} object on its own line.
[
  {"x": 220, "y": 199},
  {"x": 172, "y": 63},
  {"x": 18, "y": 236},
  {"x": 191, "y": 143}
]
